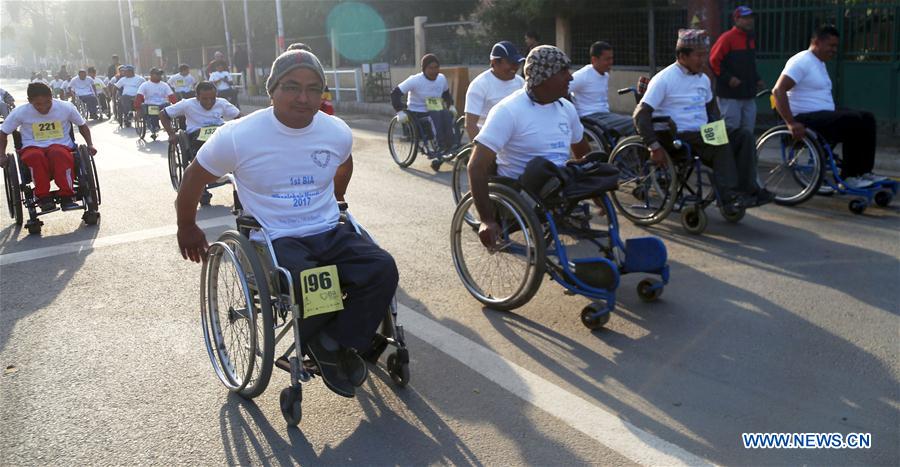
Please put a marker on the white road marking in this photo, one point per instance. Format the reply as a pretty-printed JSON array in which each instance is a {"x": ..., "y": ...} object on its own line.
[
  {"x": 84, "y": 245},
  {"x": 605, "y": 427}
]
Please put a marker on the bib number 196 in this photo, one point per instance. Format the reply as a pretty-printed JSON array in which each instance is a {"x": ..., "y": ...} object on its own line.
[{"x": 321, "y": 291}]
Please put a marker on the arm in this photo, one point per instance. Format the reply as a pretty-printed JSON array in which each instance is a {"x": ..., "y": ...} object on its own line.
[
  {"x": 643, "y": 122},
  {"x": 479, "y": 170},
  {"x": 783, "y": 106},
  {"x": 397, "y": 99},
  {"x": 717, "y": 55},
  {"x": 472, "y": 125},
  {"x": 167, "y": 125},
  {"x": 712, "y": 111},
  {"x": 342, "y": 178},
  {"x": 448, "y": 98},
  {"x": 581, "y": 148},
  {"x": 86, "y": 134},
  {"x": 191, "y": 240}
]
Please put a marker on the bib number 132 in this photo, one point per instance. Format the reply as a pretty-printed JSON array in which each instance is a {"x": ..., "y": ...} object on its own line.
[{"x": 321, "y": 291}]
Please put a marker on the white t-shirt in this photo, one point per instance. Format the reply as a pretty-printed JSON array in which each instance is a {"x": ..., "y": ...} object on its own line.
[
  {"x": 27, "y": 120},
  {"x": 41, "y": 80},
  {"x": 676, "y": 93},
  {"x": 197, "y": 117},
  {"x": 155, "y": 93},
  {"x": 419, "y": 88},
  {"x": 82, "y": 87},
  {"x": 519, "y": 129},
  {"x": 129, "y": 86},
  {"x": 221, "y": 85},
  {"x": 285, "y": 176},
  {"x": 181, "y": 83},
  {"x": 486, "y": 90},
  {"x": 812, "y": 92},
  {"x": 590, "y": 90},
  {"x": 57, "y": 84},
  {"x": 100, "y": 83}
]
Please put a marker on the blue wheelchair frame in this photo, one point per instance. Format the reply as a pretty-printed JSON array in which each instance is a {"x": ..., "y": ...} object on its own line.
[{"x": 426, "y": 138}]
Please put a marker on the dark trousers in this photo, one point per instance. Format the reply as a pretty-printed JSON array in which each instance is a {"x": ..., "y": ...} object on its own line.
[
  {"x": 733, "y": 164},
  {"x": 436, "y": 124},
  {"x": 854, "y": 128},
  {"x": 91, "y": 101},
  {"x": 368, "y": 277}
]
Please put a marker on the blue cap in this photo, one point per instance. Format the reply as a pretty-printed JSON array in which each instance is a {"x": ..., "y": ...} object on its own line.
[
  {"x": 741, "y": 11},
  {"x": 506, "y": 50}
]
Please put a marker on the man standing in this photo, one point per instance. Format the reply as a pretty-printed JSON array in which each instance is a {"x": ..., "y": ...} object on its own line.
[
  {"x": 803, "y": 99},
  {"x": 590, "y": 88},
  {"x": 733, "y": 62},
  {"x": 111, "y": 71}
]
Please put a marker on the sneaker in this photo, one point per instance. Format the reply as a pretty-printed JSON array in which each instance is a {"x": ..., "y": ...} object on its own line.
[
  {"x": 764, "y": 196},
  {"x": 354, "y": 366},
  {"x": 857, "y": 183},
  {"x": 873, "y": 178},
  {"x": 68, "y": 203},
  {"x": 329, "y": 363},
  {"x": 826, "y": 190},
  {"x": 46, "y": 204}
]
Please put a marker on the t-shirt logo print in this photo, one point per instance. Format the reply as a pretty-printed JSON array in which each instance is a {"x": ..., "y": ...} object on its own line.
[
  {"x": 564, "y": 127},
  {"x": 321, "y": 158}
]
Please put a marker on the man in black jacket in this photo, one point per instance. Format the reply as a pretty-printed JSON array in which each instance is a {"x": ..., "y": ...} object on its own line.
[{"x": 733, "y": 61}]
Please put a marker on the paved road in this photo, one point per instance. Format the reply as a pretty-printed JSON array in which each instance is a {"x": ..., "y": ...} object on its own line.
[{"x": 784, "y": 323}]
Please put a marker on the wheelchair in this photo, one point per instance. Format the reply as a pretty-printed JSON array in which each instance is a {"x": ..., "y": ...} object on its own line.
[
  {"x": 125, "y": 114},
  {"x": 149, "y": 121},
  {"x": 796, "y": 170},
  {"x": 81, "y": 106},
  {"x": 406, "y": 140},
  {"x": 648, "y": 193},
  {"x": 246, "y": 298},
  {"x": 181, "y": 153},
  {"x": 20, "y": 188},
  {"x": 540, "y": 232}
]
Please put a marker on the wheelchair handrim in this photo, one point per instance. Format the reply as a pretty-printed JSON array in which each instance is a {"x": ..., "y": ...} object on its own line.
[
  {"x": 801, "y": 167},
  {"x": 395, "y": 143},
  {"x": 641, "y": 182}
]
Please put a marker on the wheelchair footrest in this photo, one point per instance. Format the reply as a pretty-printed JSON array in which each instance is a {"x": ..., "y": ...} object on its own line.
[{"x": 645, "y": 254}]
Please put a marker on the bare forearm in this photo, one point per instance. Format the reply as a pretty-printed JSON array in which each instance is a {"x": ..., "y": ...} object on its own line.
[
  {"x": 342, "y": 179},
  {"x": 479, "y": 173},
  {"x": 472, "y": 126},
  {"x": 195, "y": 179},
  {"x": 86, "y": 134},
  {"x": 783, "y": 106}
]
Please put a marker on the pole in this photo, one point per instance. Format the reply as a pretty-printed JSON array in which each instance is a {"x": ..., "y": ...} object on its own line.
[
  {"x": 651, "y": 38},
  {"x": 134, "y": 47},
  {"x": 280, "y": 21},
  {"x": 124, "y": 39},
  {"x": 83, "y": 57},
  {"x": 250, "y": 71},
  {"x": 230, "y": 52}
]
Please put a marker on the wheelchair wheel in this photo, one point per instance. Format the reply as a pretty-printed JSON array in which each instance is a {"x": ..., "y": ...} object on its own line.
[
  {"x": 509, "y": 276},
  {"x": 291, "y": 403},
  {"x": 460, "y": 183},
  {"x": 177, "y": 158},
  {"x": 647, "y": 192},
  {"x": 237, "y": 315},
  {"x": 790, "y": 169},
  {"x": 459, "y": 127},
  {"x": 140, "y": 126},
  {"x": 13, "y": 189},
  {"x": 694, "y": 219},
  {"x": 402, "y": 139},
  {"x": 597, "y": 141},
  {"x": 88, "y": 188}
]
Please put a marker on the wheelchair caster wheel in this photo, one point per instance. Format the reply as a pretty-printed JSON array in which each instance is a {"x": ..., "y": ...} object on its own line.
[
  {"x": 591, "y": 320},
  {"x": 883, "y": 198},
  {"x": 857, "y": 206},
  {"x": 34, "y": 229},
  {"x": 398, "y": 370},
  {"x": 379, "y": 344},
  {"x": 291, "y": 400},
  {"x": 90, "y": 218},
  {"x": 693, "y": 219},
  {"x": 205, "y": 199},
  {"x": 646, "y": 291}
]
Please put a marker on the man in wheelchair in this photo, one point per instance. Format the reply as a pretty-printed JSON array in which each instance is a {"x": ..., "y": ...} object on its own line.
[
  {"x": 803, "y": 99},
  {"x": 151, "y": 97},
  {"x": 292, "y": 164},
  {"x": 127, "y": 87},
  {"x": 82, "y": 86},
  {"x": 534, "y": 122},
  {"x": 683, "y": 93},
  {"x": 45, "y": 125},
  {"x": 183, "y": 82},
  {"x": 202, "y": 114},
  {"x": 590, "y": 90}
]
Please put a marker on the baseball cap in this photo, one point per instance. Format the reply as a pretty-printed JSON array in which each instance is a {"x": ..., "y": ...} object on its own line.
[
  {"x": 506, "y": 50},
  {"x": 741, "y": 11}
]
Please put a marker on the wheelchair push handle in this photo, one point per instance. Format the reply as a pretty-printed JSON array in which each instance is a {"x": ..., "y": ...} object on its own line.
[
  {"x": 624, "y": 91},
  {"x": 763, "y": 92}
]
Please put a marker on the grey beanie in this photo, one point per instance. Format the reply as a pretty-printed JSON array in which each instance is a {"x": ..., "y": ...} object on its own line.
[{"x": 291, "y": 60}]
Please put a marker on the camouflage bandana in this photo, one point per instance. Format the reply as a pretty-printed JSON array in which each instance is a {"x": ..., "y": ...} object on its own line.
[{"x": 543, "y": 62}]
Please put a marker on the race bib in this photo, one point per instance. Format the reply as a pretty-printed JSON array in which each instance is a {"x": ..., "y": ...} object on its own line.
[
  {"x": 714, "y": 133},
  {"x": 434, "y": 104},
  {"x": 47, "y": 130},
  {"x": 179, "y": 83},
  {"x": 321, "y": 291},
  {"x": 98, "y": 86},
  {"x": 152, "y": 110},
  {"x": 206, "y": 132}
]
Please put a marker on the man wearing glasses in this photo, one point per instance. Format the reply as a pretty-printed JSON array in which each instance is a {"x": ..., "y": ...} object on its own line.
[{"x": 292, "y": 164}]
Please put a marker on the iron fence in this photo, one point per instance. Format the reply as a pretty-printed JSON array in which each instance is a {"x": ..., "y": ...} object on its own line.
[{"x": 626, "y": 29}]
